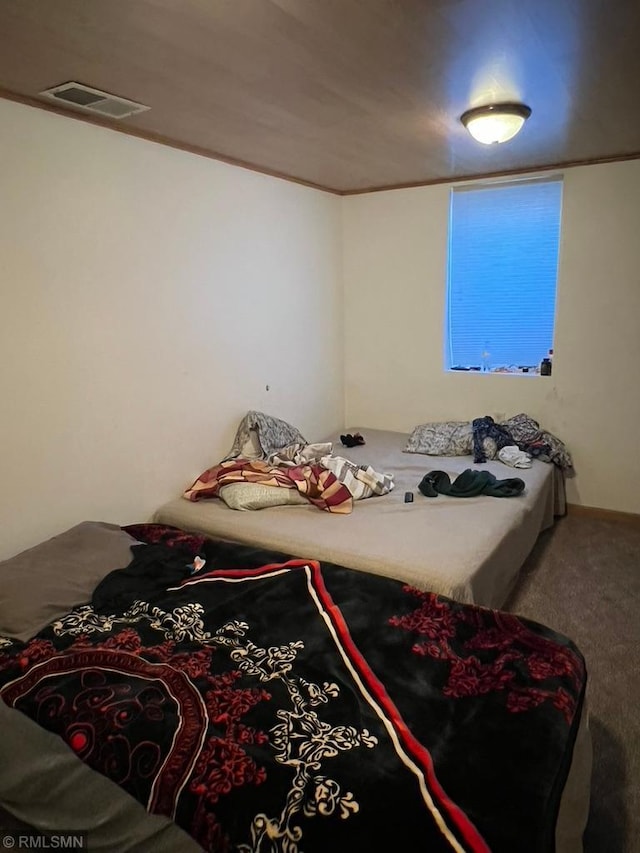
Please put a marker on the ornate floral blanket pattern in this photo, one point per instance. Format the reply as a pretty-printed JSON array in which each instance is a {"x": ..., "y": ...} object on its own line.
[{"x": 269, "y": 706}]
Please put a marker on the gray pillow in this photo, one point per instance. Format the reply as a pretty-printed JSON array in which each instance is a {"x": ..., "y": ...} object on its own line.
[
  {"x": 448, "y": 438},
  {"x": 247, "y": 496},
  {"x": 47, "y": 581}
]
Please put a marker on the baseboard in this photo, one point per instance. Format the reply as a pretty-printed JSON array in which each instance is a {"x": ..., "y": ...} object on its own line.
[{"x": 604, "y": 514}]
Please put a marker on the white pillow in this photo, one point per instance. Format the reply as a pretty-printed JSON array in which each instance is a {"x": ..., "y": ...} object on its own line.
[{"x": 250, "y": 496}]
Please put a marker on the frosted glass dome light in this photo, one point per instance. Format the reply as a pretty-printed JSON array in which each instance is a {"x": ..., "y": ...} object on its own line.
[{"x": 495, "y": 122}]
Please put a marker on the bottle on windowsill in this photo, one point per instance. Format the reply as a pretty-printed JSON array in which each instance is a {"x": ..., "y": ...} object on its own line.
[{"x": 545, "y": 367}]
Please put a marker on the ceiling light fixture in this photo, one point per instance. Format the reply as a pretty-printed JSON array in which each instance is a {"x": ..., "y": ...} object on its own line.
[{"x": 495, "y": 122}]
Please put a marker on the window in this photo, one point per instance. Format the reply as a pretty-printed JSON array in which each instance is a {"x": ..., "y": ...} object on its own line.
[{"x": 503, "y": 266}]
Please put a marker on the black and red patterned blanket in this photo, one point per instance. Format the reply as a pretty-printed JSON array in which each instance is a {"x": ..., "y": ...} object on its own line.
[{"x": 292, "y": 706}]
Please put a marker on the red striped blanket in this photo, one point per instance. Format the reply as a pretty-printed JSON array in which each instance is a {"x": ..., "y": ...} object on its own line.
[{"x": 320, "y": 486}]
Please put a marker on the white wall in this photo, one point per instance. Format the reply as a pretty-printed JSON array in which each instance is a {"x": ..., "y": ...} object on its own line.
[
  {"x": 147, "y": 298},
  {"x": 395, "y": 254}
]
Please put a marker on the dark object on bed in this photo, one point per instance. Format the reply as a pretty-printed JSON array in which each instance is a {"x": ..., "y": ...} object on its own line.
[
  {"x": 354, "y": 440},
  {"x": 487, "y": 430},
  {"x": 152, "y": 569},
  {"x": 470, "y": 484},
  {"x": 296, "y": 706}
]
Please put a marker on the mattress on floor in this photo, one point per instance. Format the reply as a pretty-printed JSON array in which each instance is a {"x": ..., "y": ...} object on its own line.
[
  {"x": 470, "y": 549},
  {"x": 45, "y": 785}
]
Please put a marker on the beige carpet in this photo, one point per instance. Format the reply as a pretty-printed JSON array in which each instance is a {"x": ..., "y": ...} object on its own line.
[{"x": 583, "y": 579}]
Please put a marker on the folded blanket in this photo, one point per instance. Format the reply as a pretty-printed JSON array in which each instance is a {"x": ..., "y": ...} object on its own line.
[
  {"x": 470, "y": 484},
  {"x": 317, "y": 484}
]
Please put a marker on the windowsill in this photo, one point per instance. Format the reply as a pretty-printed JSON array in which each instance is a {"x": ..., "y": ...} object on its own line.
[{"x": 527, "y": 375}]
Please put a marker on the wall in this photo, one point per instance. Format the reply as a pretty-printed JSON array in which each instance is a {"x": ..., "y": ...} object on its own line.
[
  {"x": 148, "y": 297},
  {"x": 395, "y": 254}
]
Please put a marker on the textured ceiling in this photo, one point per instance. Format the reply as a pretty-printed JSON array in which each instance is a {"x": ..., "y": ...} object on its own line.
[{"x": 346, "y": 94}]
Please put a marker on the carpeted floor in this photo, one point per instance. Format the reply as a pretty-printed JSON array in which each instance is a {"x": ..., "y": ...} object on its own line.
[{"x": 583, "y": 579}]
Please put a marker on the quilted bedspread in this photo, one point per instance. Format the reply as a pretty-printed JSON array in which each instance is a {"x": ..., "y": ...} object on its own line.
[{"x": 286, "y": 705}]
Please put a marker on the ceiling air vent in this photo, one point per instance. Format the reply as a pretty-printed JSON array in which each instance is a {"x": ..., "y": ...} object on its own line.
[{"x": 92, "y": 100}]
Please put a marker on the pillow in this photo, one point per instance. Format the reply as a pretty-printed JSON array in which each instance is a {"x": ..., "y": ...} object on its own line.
[
  {"x": 450, "y": 438},
  {"x": 245, "y": 496},
  {"x": 47, "y": 581}
]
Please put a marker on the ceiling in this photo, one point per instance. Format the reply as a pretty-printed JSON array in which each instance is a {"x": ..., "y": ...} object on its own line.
[{"x": 348, "y": 95}]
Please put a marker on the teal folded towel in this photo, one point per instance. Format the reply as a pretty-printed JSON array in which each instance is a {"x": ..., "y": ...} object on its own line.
[{"x": 470, "y": 484}]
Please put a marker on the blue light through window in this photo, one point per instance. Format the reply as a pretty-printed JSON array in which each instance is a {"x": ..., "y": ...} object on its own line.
[{"x": 503, "y": 266}]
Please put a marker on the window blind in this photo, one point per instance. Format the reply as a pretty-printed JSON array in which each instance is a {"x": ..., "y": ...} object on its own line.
[{"x": 503, "y": 264}]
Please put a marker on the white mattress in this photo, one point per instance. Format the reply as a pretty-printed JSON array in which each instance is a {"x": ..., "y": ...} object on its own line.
[{"x": 470, "y": 549}]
